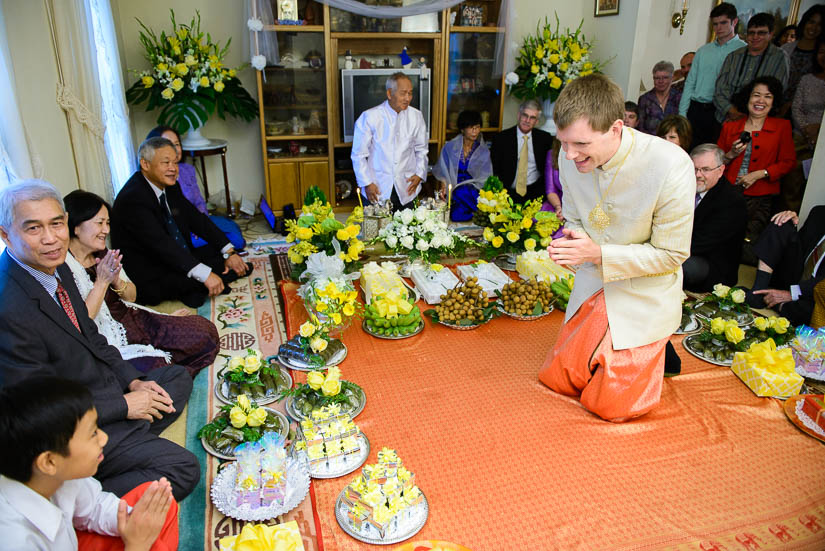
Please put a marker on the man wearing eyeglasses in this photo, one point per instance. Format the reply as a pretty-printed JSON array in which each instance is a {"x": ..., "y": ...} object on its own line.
[
  {"x": 759, "y": 58},
  {"x": 519, "y": 154},
  {"x": 719, "y": 221}
]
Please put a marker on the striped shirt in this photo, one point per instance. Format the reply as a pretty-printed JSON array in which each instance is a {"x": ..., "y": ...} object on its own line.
[
  {"x": 700, "y": 83},
  {"x": 48, "y": 281},
  {"x": 740, "y": 68}
]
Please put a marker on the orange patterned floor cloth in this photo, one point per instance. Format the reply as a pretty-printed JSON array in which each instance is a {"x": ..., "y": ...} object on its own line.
[{"x": 508, "y": 464}]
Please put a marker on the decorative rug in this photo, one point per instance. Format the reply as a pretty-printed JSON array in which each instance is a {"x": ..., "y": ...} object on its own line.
[
  {"x": 248, "y": 317},
  {"x": 508, "y": 464}
]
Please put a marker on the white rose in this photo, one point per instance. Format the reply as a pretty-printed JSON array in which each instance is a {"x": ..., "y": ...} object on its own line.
[
  {"x": 407, "y": 242},
  {"x": 407, "y": 216},
  {"x": 255, "y": 24},
  {"x": 422, "y": 245},
  {"x": 429, "y": 225},
  {"x": 391, "y": 241},
  {"x": 421, "y": 214},
  {"x": 259, "y": 62},
  {"x": 511, "y": 79}
]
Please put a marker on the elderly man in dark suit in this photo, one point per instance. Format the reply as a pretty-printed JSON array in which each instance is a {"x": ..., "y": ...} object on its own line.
[
  {"x": 519, "y": 155},
  {"x": 45, "y": 329},
  {"x": 153, "y": 224},
  {"x": 791, "y": 263},
  {"x": 719, "y": 223}
]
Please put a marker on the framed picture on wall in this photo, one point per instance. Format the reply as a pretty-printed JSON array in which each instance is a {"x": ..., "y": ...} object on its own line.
[
  {"x": 785, "y": 12},
  {"x": 605, "y": 7}
]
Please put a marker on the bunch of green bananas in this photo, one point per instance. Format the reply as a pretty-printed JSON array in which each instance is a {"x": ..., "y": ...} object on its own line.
[
  {"x": 398, "y": 326},
  {"x": 562, "y": 288}
]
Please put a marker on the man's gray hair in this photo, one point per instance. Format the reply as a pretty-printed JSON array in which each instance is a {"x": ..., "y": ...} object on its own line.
[
  {"x": 665, "y": 66},
  {"x": 26, "y": 190},
  {"x": 529, "y": 104},
  {"x": 148, "y": 147},
  {"x": 392, "y": 80},
  {"x": 709, "y": 148}
]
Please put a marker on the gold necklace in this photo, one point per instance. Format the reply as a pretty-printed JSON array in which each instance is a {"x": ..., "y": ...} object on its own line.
[{"x": 597, "y": 217}]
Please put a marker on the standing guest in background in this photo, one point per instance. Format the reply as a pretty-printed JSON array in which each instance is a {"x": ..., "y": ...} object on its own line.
[
  {"x": 553, "y": 192},
  {"x": 465, "y": 157},
  {"x": 45, "y": 330},
  {"x": 683, "y": 71},
  {"x": 389, "y": 147},
  {"x": 631, "y": 114},
  {"x": 660, "y": 102},
  {"x": 758, "y": 58},
  {"x": 675, "y": 129},
  {"x": 153, "y": 224},
  {"x": 697, "y": 96},
  {"x": 802, "y": 52},
  {"x": 628, "y": 205},
  {"x": 519, "y": 154},
  {"x": 719, "y": 221},
  {"x": 759, "y": 151},
  {"x": 188, "y": 181},
  {"x": 148, "y": 340},
  {"x": 809, "y": 99},
  {"x": 786, "y": 35}
]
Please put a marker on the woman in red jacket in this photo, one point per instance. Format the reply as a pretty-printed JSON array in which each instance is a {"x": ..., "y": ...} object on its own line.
[{"x": 759, "y": 151}]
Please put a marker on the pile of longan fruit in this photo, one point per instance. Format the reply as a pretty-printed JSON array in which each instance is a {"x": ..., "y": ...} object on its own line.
[
  {"x": 521, "y": 297},
  {"x": 465, "y": 302}
]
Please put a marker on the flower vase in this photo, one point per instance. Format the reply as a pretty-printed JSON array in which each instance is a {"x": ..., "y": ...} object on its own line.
[
  {"x": 194, "y": 138},
  {"x": 547, "y": 109}
]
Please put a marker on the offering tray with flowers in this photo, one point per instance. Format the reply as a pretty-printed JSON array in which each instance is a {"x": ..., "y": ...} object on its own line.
[
  {"x": 690, "y": 323},
  {"x": 324, "y": 389},
  {"x": 382, "y": 505},
  {"x": 331, "y": 443},
  {"x": 249, "y": 374},
  {"x": 240, "y": 422},
  {"x": 392, "y": 317},
  {"x": 312, "y": 348},
  {"x": 489, "y": 276},
  {"x": 724, "y": 338},
  {"x": 433, "y": 281},
  {"x": 465, "y": 307},
  {"x": 526, "y": 300},
  {"x": 726, "y": 303}
]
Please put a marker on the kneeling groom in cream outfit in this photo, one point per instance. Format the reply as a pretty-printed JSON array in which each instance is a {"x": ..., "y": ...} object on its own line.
[{"x": 628, "y": 203}]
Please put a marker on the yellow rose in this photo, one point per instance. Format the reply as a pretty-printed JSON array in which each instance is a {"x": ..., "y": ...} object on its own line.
[
  {"x": 738, "y": 296},
  {"x": 488, "y": 234},
  {"x": 563, "y": 66},
  {"x": 306, "y": 329},
  {"x": 190, "y": 60},
  {"x": 237, "y": 417},
  {"x": 353, "y": 230},
  {"x": 177, "y": 85},
  {"x": 334, "y": 373},
  {"x": 256, "y": 417},
  {"x": 318, "y": 344},
  {"x": 761, "y": 323},
  {"x": 348, "y": 310},
  {"x": 251, "y": 364},
  {"x": 147, "y": 81},
  {"x": 204, "y": 81},
  {"x": 734, "y": 333},
  {"x": 219, "y": 86},
  {"x": 244, "y": 403},
  {"x": 717, "y": 326},
  {"x": 162, "y": 67},
  {"x": 530, "y": 244},
  {"x": 720, "y": 290},
  {"x": 336, "y": 318},
  {"x": 587, "y": 65},
  {"x": 304, "y": 234},
  {"x": 534, "y": 69},
  {"x": 331, "y": 387},
  {"x": 342, "y": 234},
  {"x": 527, "y": 223},
  {"x": 315, "y": 379},
  {"x": 554, "y": 58},
  {"x": 555, "y": 82},
  {"x": 497, "y": 241},
  {"x": 780, "y": 325},
  {"x": 355, "y": 249},
  {"x": 236, "y": 363},
  {"x": 232, "y": 73},
  {"x": 182, "y": 69},
  {"x": 512, "y": 236},
  {"x": 167, "y": 93}
]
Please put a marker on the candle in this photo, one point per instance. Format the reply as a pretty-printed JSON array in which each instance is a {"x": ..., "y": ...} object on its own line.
[
  {"x": 360, "y": 204},
  {"x": 685, "y": 6},
  {"x": 449, "y": 196}
]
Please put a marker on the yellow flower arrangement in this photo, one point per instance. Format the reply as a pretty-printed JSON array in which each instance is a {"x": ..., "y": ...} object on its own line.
[
  {"x": 777, "y": 328},
  {"x": 317, "y": 230},
  {"x": 323, "y": 389}
]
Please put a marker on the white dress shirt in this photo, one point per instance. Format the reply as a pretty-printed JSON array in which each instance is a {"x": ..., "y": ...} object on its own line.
[
  {"x": 29, "y": 521},
  {"x": 388, "y": 148},
  {"x": 532, "y": 172}
]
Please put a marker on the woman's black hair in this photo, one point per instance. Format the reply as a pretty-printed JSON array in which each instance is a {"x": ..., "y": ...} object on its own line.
[
  {"x": 158, "y": 131},
  {"x": 82, "y": 206},
  {"x": 774, "y": 86},
  {"x": 810, "y": 12},
  {"x": 38, "y": 415},
  {"x": 780, "y": 34},
  {"x": 467, "y": 119}
]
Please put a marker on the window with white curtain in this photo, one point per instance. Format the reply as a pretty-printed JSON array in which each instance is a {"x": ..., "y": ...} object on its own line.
[{"x": 117, "y": 139}]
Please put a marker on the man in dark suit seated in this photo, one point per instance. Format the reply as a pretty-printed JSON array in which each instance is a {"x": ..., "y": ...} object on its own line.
[
  {"x": 790, "y": 265},
  {"x": 520, "y": 153},
  {"x": 153, "y": 224},
  {"x": 719, "y": 224},
  {"x": 45, "y": 329}
]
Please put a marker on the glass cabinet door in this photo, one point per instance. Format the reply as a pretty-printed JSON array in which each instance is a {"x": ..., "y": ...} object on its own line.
[
  {"x": 342, "y": 21},
  {"x": 473, "y": 79},
  {"x": 294, "y": 90}
]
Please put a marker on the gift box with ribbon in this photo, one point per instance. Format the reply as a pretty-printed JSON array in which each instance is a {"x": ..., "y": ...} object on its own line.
[
  {"x": 809, "y": 352},
  {"x": 768, "y": 371},
  {"x": 261, "y": 537}
]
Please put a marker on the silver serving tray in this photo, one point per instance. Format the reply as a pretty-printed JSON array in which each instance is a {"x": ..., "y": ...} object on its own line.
[
  {"x": 301, "y": 366},
  {"x": 687, "y": 341},
  {"x": 464, "y": 327},
  {"x": 298, "y": 416},
  {"x": 523, "y": 318},
  {"x": 369, "y": 534},
  {"x": 223, "y": 493},
  {"x": 748, "y": 320},
  {"x": 221, "y": 391},
  {"x": 693, "y": 326},
  {"x": 414, "y": 333},
  {"x": 353, "y": 462},
  {"x": 283, "y": 432}
]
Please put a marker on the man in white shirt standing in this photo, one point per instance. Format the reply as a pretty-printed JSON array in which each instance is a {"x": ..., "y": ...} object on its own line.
[{"x": 389, "y": 147}]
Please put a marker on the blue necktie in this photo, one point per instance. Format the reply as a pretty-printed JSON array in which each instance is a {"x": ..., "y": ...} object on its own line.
[
  {"x": 171, "y": 226},
  {"x": 696, "y": 203}
]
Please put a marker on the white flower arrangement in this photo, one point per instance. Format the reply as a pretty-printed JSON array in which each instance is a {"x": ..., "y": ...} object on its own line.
[
  {"x": 258, "y": 62},
  {"x": 255, "y": 24},
  {"x": 422, "y": 233}
]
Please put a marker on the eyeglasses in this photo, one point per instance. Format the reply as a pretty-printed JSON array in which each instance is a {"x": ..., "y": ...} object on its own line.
[
  {"x": 525, "y": 116},
  {"x": 758, "y": 33},
  {"x": 705, "y": 169},
  {"x": 662, "y": 78}
]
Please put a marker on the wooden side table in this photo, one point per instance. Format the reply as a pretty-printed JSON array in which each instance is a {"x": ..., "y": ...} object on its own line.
[{"x": 214, "y": 147}]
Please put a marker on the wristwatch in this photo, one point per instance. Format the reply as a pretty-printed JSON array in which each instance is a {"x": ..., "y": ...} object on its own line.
[{"x": 228, "y": 253}]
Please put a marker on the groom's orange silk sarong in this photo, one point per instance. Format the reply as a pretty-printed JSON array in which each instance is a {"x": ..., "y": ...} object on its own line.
[{"x": 616, "y": 385}]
